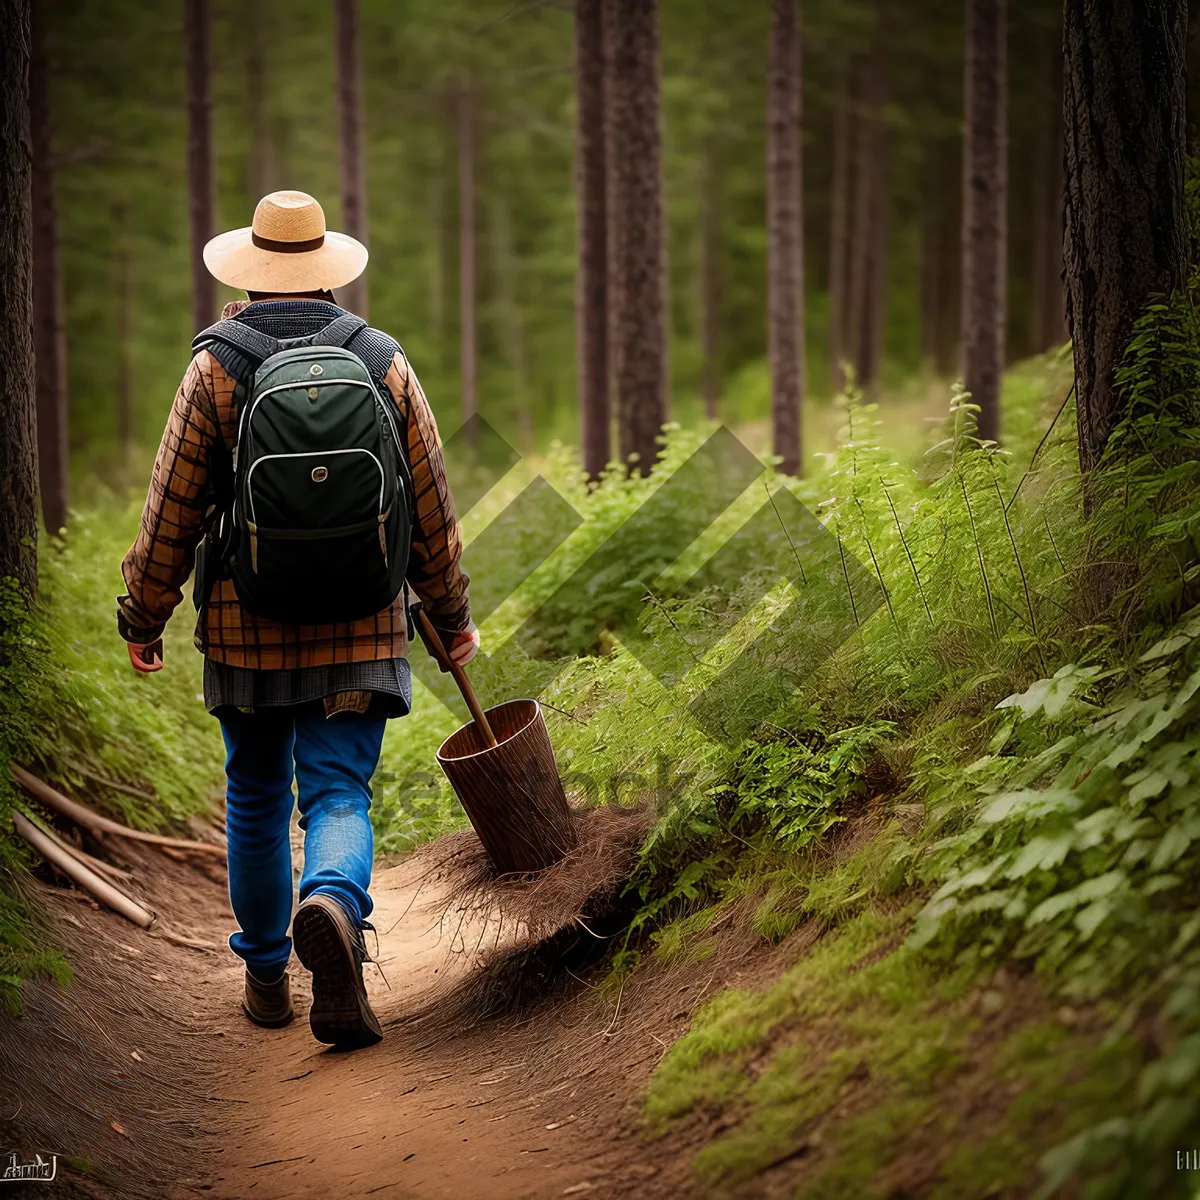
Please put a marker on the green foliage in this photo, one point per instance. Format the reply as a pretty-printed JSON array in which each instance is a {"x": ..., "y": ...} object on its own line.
[{"x": 73, "y": 711}]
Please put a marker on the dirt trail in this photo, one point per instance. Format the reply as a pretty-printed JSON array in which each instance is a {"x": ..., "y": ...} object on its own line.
[
  {"x": 148, "y": 1080},
  {"x": 419, "y": 1115}
]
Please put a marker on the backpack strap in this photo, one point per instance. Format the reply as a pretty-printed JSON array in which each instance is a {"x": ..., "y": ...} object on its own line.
[
  {"x": 250, "y": 341},
  {"x": 339, "y": 332}
]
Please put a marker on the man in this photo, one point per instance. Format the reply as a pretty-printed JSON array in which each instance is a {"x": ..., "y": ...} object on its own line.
[{"x": 307, "y": 702}]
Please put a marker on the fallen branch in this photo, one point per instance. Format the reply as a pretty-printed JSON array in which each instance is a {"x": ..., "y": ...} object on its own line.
[
  {"x": 47, "y": 795},
  {"x": 81, "y": 874},
  {"x": 96, "y": 864}
]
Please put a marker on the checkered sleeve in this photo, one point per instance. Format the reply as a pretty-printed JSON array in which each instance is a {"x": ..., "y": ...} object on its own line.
[
  {"x": 434, "y": 569},
  {"x": 161, "y": 558}
]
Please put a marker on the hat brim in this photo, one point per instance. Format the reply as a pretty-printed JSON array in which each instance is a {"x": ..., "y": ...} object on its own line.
[{"x": 234, "y": 259}]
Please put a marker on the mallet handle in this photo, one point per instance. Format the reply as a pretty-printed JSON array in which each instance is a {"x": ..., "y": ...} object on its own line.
[{"x": 460, "y": 676}]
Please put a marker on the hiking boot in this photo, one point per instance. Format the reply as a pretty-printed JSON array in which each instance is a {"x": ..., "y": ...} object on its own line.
[
  {"x": 268, "y": 1004},
  {"x": 330, "y": 945}
]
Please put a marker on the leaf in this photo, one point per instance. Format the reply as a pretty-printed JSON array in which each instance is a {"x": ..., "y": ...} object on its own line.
[
  {"x": 1089, "y": 919},
  {"x": 1092, "y": 889},
  {"x": 1042, "y": 853},
  {"x": 1028, "y": 803},
  {"x": 1174, "y": 842}
]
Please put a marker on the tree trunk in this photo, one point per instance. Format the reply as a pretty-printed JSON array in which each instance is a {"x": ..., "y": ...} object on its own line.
[
  {"x": 591, "y": 288},
  {"x": 785, "y": 302},
  {"x": 262, "y": 157},
  {"x": 839, "y": 228},
  {"x": 610, "y": 19},
  {"x": 710, "y": 286},
  {"x": 18, "y": 412},
  {"x": 985, "y": 201},
  {"x": 197, "y": 43},
  {"x": 468, "y": 341},
  {"x": 1126, "y": 236},
  {"x": 122, "y": 301},
  {"x": 49, "y": 333},
  {"x": 636, "y": 170},
  {"x": 350, "y": 124}
]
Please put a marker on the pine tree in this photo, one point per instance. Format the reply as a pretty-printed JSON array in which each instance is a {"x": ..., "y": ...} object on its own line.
[
  {"x": 49, "y": 334},
  {"x": 985, "y": 200},
  {"x": 350, "y": 128},
  {"x": 18, "y": 413},
  {"x": 639, "y": 257},
  {"x": 591, "y": 289},
  {"x": 197, "y": 44},
  {"x": 785, "y": 318},
  {"x": 1126, "y": 237}
]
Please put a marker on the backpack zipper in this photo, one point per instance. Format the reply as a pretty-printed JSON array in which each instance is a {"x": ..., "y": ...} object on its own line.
[{"x": 252, "y": 527}]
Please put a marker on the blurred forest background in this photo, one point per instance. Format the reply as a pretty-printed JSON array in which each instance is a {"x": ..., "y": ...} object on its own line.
[{"x": 481, "y": 95}]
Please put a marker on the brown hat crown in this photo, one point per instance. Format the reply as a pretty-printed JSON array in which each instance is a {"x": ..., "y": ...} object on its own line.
[{"x": 287, "y": 249}]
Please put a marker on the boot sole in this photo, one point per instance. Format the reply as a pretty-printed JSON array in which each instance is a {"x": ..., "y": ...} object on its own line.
[{"x": 340, "y": 1014}]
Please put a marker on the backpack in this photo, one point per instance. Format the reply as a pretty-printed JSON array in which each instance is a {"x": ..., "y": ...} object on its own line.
[{"x": 317, "y": 527}]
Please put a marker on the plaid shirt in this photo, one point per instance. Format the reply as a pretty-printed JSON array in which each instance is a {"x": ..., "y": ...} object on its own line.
[{"x": 173, "y": 523}]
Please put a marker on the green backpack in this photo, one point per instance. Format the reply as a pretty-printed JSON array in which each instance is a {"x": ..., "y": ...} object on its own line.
[{"x": 320, "y": 520}]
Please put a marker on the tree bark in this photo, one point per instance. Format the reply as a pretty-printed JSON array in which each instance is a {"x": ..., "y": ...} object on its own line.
[
  {"x": 1126, "y": 236},
  {"x": 468, "y": 339},
  {"x": 350, "y": 124},
  {"x": 710, "y": 286},
  {"x": 785, "y": 302},
  {"x": 49, "y": 332},
  {"x": 985, "y": 201},
  {"x": 197, "y": 42},
  {"x": 18, "y": 412},
  {"x": 591, "y": 288},
  {"x": 839, "y": 229},
  {"x": 636, "y": 172}
]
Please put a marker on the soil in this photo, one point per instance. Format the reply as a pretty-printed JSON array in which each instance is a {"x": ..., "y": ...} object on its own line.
[{"x": 147, "y": 1080}]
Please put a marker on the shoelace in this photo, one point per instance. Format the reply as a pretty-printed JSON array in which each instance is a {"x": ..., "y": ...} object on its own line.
[{"x": 372, "y": 959}]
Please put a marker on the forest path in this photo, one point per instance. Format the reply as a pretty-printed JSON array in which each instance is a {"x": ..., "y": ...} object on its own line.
[
  {"x": 416, "y": 1116},
  {"x": 535, "y": 1108}
]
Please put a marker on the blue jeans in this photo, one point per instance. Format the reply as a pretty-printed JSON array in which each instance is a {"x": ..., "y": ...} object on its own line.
[{"x": 332, "y": 760}]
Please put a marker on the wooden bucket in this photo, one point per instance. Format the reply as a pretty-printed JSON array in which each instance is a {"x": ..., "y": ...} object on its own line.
[{"x": 511, "y": 791}]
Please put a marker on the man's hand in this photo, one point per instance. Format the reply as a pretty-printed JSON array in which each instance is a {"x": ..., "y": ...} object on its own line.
[
  {"x": 148, "y": 658},
  {"x": 464, "y": 646}
]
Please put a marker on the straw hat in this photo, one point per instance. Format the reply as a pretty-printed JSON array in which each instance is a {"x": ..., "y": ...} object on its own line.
[{"x": 287, "y": 249}]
